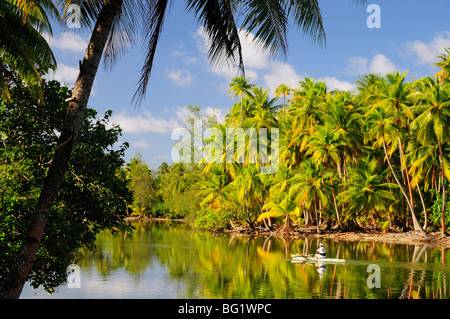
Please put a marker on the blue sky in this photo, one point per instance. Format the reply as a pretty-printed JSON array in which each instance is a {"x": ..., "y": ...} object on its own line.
[{"x": 412, "y": 33}]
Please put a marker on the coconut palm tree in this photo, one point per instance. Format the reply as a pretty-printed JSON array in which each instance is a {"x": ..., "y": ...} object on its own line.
[
  {"x": 212, "y": 186},
  {"x": 307, "y": 104},
  {"x": 283, "y": 90},
  {"x": 24, "y": 52},
  {"x": 250, "y": 189},
  {"x": 325, "y": 147},
  {"x": 282, "y": 202},
  {"x": 382, "y": 130},
  {"x": 241, "y": 87},
  {"x": 310, "y": 188},
  {"x": 366, "y": 189},
  {"x": 444, "y": 65},
  {"x": 393, "y": 94},
  {"x": 433, "y": 120}
]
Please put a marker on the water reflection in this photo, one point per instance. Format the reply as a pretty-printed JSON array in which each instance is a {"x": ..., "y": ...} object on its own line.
[{"x": 169, "y": 260}]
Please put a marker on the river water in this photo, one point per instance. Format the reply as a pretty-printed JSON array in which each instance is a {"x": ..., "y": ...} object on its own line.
[{"x": 171, "y": 261}]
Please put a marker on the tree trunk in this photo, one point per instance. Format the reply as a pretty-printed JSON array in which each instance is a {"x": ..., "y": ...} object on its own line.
[
  {"x": 317, "y": 217},
  {"x": 425, "y": 225},
  {"x": 443, "y": 188},
  {"x": 20, "y": 270},
  {"x": 417, "y": 225},
  {"x": 406, "y": 170},
  {"x": 335, "y": 204},
  {"x": 242, "y": 111}
]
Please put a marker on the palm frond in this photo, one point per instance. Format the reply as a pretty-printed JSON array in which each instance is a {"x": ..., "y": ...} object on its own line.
[
  {"x": 218, "y": 20},
  {"x": 155, "y": 14},
  {"x": 270, "y": 21}
]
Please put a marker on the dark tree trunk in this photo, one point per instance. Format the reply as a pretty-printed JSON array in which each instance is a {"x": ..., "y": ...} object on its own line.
[{"x": 13, "y": 285}]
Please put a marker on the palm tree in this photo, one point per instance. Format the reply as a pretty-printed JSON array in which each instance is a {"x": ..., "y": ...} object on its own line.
[
  {"x": 433, "y": 120},
  {"x": 366, "y": 189},
  {"x": 212, "y": 186},
  {"x": 422, "y": 161},
  {"x": 281, "y": 202},
  {"x": 343, "y": 115},
  {"x": 444, "y": 65},
  {"x": 241, "y": 87},
  {"x": 325, "y": 147},
  {"x": 250, "y": 189},
  {"x": 283, "y": 90},
  {"x": 307, "y": 104},
  {"x": 116, "y": 23},
  {"x": 260, "y": 98},
  {"x": 394, "y": 94},
  {"x": 309, "y": 187},
  {"x": 24, "y": 53}
]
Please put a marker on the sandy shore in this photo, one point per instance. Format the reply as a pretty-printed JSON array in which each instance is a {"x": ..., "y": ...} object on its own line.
[{"x": 435, "y": 239}]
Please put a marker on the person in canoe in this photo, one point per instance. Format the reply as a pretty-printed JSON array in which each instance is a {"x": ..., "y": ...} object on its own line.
[{"x": 321, "y": 252}]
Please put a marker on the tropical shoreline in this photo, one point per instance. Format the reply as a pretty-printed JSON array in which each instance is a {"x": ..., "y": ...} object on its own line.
[{"x": 433, "y": 239}]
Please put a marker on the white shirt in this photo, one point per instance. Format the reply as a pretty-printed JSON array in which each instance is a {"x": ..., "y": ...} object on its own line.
[{"x": 322, "y": 251}]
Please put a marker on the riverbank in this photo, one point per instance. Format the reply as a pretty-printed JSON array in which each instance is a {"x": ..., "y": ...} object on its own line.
[
  {"x": 412, "y": 237},
  {"x": 434, "y": 239}
]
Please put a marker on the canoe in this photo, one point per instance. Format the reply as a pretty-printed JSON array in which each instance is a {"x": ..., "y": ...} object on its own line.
[{"x": 300, "y": 259}]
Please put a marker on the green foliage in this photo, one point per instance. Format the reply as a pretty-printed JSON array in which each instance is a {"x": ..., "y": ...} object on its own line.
[
  {"x": 365, "y": 159},
  {"x": 24, "y": 52},
  {"x": 436, "y": 215},
  {"x": 92, "y": 196},
  {"x": 141, "y": 184},
  {"x": 161, "y": 209},
  {"x": 208, "y": 218}
]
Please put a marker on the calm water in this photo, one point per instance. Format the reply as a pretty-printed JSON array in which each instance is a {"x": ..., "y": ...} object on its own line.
[{"x": 169, "y": 260}]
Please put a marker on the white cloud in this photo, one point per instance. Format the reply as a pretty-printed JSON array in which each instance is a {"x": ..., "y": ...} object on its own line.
[
  {"x": 64, "y": 74},
  {"x": 380, "y": 64},
  {"x": 219, "y": 113},
  {"x": 258, "y": 65},
  {"x": 281, "y": 73},
  {"x": 336, "y": 84},
  {"x": 163, "y": 157},
  {"x": 427, "y": 52},
  {"x": 179, "y": 77},
  {"x": 67, "y": 41},
  {"x": 178, "y": 54},
  {"x": 144, "y": 123},
  {"x": 254, "y": 56},
  {"x": 140, "y": 144}
]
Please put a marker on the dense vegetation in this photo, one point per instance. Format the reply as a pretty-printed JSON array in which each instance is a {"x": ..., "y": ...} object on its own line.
[
  {"x": 374, "y": 158},
  {"x": 93, "y": 196}
]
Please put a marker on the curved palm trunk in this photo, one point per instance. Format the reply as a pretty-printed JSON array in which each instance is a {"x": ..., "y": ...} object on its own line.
[
  {"x": 317, "y": 217},
  {"x": 443, "y": 188},
  {"x": 335, "y": 204},
  {"x": 406, "y": 169},
  {"x": 19, "y": 272},
  {"x": 416, "y": 223},
  {"x": 425, "y": 225}
]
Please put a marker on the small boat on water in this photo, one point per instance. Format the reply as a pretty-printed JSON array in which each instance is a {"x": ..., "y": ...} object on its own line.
[{"x": 302, "y": 259}]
